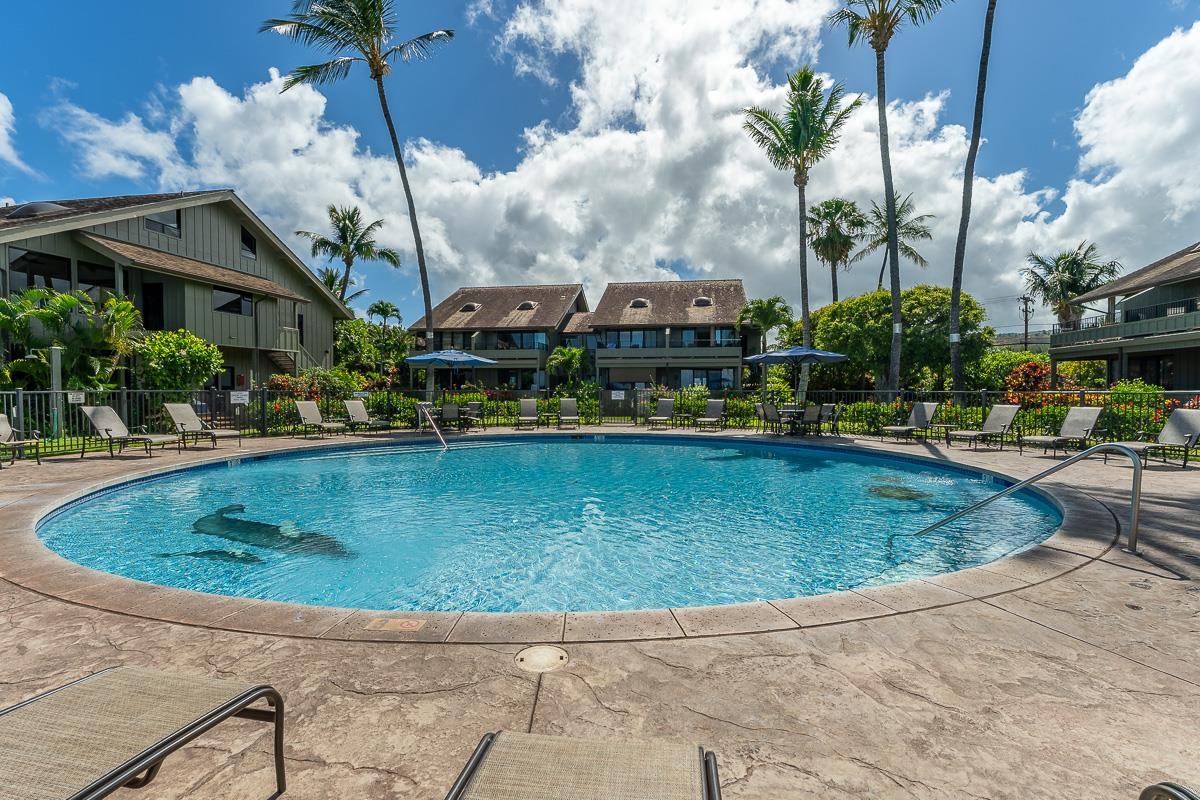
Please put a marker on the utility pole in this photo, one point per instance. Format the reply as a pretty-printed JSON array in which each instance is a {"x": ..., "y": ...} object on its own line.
[{"x": 1026, "y": 312}]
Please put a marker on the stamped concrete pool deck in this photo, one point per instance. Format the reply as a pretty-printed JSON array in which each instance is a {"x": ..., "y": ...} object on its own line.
[{"x": 1071, "y": 670}]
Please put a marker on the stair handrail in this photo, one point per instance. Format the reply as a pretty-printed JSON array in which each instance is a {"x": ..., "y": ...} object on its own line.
[
  {"x": 1135, "y": 498},
  {"x": 426, "y": 409}
]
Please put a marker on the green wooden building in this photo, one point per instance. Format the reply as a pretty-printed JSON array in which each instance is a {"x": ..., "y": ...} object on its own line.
[{"x": 201, "y": 261}]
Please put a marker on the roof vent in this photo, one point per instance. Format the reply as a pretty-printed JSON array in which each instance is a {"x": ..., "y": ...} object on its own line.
[
  {"x": 702, "y": 301},
  {"x": 528, "y": 305},
  {"x": 469, "y": 307},
  {"x": 639, "y": 302},
  {"x": 30, "y": 210}
]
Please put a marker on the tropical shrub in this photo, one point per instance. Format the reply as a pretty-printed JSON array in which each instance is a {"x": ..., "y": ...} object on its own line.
[
  {"x": 995, "y": 365},
  {"x": 176, "y": 360},
  {"x": 1083, "y": 374},
  {"x": 318, "y": 383},
  {"x": 1032, "y": 376}
]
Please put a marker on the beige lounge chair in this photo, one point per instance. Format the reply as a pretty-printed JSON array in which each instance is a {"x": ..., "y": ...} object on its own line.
[
  {"x": 14, "y": 441},
  {"x": 664, "y": 413},
  {"x": 109, "y": 426},
  {"x": 531, "y": 766},
  {"x": 356, "y": 412},
  {"x": 1077, "y": 428},
  {"x": 189, "y": 426},
  {"x": 771, "y": 419},
  {"x": 1181, "y": 433},
  {"x": 450, "y": 416},
  {"x": 114, "y": 728},
  {"x": 527, "y": 412},
  {"x": 311, "y": 420},
  {"x": 808, "y": 421},
  {"x": 997, "y": 425},
  {"x": 919, "y": 421},
  {"x": 568, "y": 411},
  {"x": 714, "y": 415}
]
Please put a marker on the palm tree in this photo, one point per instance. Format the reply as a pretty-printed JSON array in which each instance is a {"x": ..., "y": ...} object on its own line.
[
  {"x": 362, "y": 31},
  {"x": 910, "y": 227},
  {"x": 876, "y": 22},
  {"x": 1059, "y": 279},
  {"x": 834, "y": 228},
  {"x": 566, "y": 361},
  {"x": 383, "y": 309},
  {"x": 332, "y": 278},
  {"x": 765, "y": 315},
  {"x": 808, "y": 131},
  {"x": 960, "y": 246},
  {"x": 351, "y": 241}
]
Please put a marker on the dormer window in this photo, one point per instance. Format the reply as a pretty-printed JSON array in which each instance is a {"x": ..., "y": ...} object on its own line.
[
  {"x": 702, "y": 301},
  {"x": 469, "y": 307},
  {"x": 639, "y": 302},
  {"x": 528, "y": 305}
]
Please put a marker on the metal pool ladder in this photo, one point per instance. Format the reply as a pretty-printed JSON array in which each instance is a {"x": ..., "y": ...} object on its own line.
[
  {"x": 424, "y": 408},
  {"x": 1135, "y": 499}
]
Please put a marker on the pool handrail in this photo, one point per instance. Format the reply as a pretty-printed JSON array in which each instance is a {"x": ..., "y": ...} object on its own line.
[
  {"x": 425, "y": 408},
  {"x": 1135, "y": 498}
]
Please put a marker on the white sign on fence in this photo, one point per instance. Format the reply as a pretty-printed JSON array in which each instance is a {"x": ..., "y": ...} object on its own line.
[
  {"x": 239, "y": 398},
  {"x": 362, "y": 395},
  {"x": 75, "y": 397},
  {"x": 620, "y": 395}
]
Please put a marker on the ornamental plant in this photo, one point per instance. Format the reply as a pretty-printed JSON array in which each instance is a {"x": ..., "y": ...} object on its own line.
[{"x": 176, "y": 360}]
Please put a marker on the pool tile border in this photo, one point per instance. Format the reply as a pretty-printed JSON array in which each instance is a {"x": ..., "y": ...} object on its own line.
[{"x": 1088, "y": 531}]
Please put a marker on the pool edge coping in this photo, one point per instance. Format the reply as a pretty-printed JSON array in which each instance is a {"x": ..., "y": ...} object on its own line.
[{"x": 1088, "y": 531}]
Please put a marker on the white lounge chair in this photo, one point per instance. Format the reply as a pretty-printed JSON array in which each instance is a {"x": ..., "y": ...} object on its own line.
[
  {"x": 189, "y": 425},
  {"x": 109, "y": 426},
  {"x": 311, "y": 420}
]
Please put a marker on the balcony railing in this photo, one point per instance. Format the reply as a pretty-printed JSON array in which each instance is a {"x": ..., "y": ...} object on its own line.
[{"x": 1174, "y": 308}]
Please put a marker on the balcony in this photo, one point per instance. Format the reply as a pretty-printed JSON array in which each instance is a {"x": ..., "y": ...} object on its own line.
[
  {"x": 728, "y": 355},
  {"x": 1130, "y": 323}
]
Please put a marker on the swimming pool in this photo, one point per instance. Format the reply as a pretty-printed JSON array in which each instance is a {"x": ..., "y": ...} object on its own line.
[{"x": 545, "y": 523}]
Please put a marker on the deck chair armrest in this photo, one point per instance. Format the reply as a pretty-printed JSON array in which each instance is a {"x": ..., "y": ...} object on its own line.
[
  {"x": 31, "y": 435},
  {"x": 1145, "y": 436}
]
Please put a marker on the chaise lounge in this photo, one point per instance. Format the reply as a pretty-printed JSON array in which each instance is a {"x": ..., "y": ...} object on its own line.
[
  {"x": 113, "y": 729},
  {"x": 997, "y": 425},
  {"x": 527, "y": 412},
  {"x": 568, "y": 411},
  {"x": 14, "y": 441},
  {"x": 311, "y": 420},
  {"x": 109, "y": 426},
  {"x": 664, "y": 413},
  {"x": 714, "y": 415},
  {"x": 530, "y": 766},
  {"x": 356, "y": 412},
  {"x": 920, "y": 419},
  {"x": 189, "y": 426},
  {"x": 1181, "y": 433},
  {"x": 1078, "y": 426}
]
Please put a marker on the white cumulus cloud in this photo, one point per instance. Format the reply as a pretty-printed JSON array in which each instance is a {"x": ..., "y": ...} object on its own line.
[
  {"x": 652, "y": 177},
  {"x": 8, "y": 126}
]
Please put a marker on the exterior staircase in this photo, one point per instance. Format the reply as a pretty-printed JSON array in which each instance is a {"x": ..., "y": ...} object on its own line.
[{"x": 283, "y": 360}]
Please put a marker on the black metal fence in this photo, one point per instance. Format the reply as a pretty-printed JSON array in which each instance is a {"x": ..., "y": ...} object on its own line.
[{"x": 63, "y": 427}]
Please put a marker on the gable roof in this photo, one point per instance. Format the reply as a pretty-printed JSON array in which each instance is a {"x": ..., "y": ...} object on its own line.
[
  {"x": 127, "y": 253},
  {"x": 580, "y": 322},
  {"x": 74, "y": 210},
  {"x": 1181, "y": 266},
  {"x": 497, "y": 308},
  {"x": 669, "y": 303},
  {"x": 91, "y": 211}
]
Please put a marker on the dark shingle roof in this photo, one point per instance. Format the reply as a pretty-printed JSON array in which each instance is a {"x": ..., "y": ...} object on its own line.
[
  {"x": 498, "y": 308},
  {"x": 190, "y": 268},
  {"x": 580, "y": 322},
  {"x": 93, "y": 205},
  {"x": 1176, "y": 267},
  {"x": 669, "y": 303}
]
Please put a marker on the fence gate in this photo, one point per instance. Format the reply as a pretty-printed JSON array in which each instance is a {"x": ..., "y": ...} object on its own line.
[{"x": 618, "y": 406}]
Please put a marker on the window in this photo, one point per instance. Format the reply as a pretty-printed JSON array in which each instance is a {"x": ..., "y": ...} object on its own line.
[
  {"x": 28, "y": 269},
  {"x": 153, "y": 318},
  {"x": 521, "y": 340},
  {"x": 702, "y": 301},
  {"x": 687, "y": 337},
  {"x": 231, "y": 301},
  {"x": 168, "y": 222},
  {"x": 636, "y": 338},
  {"x": 639, "y": 302},
  {"x": 467, "y": 308},
  {"x": 712, "y": 378},
  {"x": 528, "y": 305},
  {"x": 249, "y": 245},
  {"x": 96, "y": 279},
  {"x": 300, "y": 326},
  {"x": 725, "y": 337},
  {"x": 455, "y": 340}
]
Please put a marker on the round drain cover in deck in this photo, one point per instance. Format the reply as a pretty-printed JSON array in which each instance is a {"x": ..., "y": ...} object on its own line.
[{"x": 541, "y": 658}]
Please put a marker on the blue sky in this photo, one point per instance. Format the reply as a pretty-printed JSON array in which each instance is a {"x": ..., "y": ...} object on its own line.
[{"x": 470, "y": 99}]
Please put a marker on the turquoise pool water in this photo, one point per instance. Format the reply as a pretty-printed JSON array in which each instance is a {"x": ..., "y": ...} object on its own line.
[{"x": 545, "y": 524}]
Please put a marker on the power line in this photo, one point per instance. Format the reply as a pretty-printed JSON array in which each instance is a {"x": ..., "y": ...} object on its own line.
[{"x": 1026, "y": 312}]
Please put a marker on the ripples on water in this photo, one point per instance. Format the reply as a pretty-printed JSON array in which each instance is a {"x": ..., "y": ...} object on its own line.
[{"x": 549, "y": 525}]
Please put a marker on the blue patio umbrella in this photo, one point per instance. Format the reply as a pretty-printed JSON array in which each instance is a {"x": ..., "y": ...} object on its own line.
[
  {"x": 796, "y": 357},
  {"x": 454, "y": 359}
]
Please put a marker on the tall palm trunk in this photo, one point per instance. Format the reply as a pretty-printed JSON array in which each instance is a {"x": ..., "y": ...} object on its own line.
[
  {"x": 893, "y": 247},
  {"x": 960, "y": 246},
  {"x": 833, "y": 270},
  {"x": 349, "y": 262},
  {"x": 805, "y": 323},
  {"x": 412, "y": 217}
]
